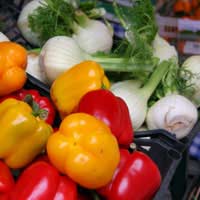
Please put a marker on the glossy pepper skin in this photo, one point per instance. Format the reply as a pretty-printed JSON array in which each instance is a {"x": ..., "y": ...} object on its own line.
[
  {"x": 6, "y": 181},
  {"x": 85, "y": 149},
  {"x": 13, "y": 60},
  {"x": 22, "y": 136},
  {"x": 44, "y": 107},
  {"x": 41, "y": 105},
  {"x": 41, "y": 181},
  {"x": 112, "y": 110},
  {"x": 136, "y": 178},
  {"x": 71, "y": 85}
]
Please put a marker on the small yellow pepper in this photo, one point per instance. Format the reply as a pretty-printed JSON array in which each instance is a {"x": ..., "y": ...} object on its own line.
[
  {"x": 13, "y": 61},
  {"x": 85, "y": 149},
  {"x": 67, "y": 90},
  {"x": 22, "y": 136}
]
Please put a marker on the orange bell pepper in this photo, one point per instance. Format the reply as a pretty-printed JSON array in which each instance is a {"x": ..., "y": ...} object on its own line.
[
  {"x": 13, "y": 61},
  {"x": 84, "y": 149},
  {"x": 183, "y": 6}
]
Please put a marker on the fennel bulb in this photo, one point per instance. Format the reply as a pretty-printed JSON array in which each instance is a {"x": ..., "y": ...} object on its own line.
[
  {"x": 163, "y": 50},
  {"x": 193, "y": 65},
  {"x": 174, "y": 113},
  {"x": 94, "y": 36},
  {"x": 137, "y": 97},
  {"x": 23, "y": 23},
  {"x": 3, "y": 37},
  {"x": 33, "y": 67},
  {"x": 59, "y": 54}
]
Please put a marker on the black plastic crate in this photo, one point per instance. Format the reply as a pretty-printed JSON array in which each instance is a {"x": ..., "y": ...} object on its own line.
[{"x": 163, "y": 147}]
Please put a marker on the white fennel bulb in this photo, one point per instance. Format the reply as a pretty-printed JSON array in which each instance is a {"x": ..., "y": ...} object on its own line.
[
  {"x": 174, "y": 113},
  {"x": 163, "y": 50},
  {"x": 137, "y": 97},
  {"x": 192, "y": 64},
  {"x": 59, "y": 54},
  {"x": 94, "y": 36},
  {"x": 3, "y": 37},
  {"x": 33, "y": 67},
  {"x": 23, "y": 23},
  {"x": 128, "y": 90}
]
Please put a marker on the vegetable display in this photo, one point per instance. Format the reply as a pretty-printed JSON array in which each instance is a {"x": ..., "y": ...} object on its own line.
[
  {"x": 90, "y": 147},
  {"x": 72, "y": 135}
]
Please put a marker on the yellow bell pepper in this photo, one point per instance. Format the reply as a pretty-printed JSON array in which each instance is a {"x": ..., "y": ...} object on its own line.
[
  {"x": 22, "y": 136},
  {"x": 68, "y": 88},
  {"x": 84, "y": 149}
]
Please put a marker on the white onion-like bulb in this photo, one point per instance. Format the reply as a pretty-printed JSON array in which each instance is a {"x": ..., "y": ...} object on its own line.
[
  {"x": 59, "y": 54},
  {"x": 192, "y": 64},
  {"x": 174, "y": 113},
  {"x": 3, "y": 37},
  {"x": 94, "y": 37},
  {"x": 163, "y": 50},
  {"x": 23, "y": 23}
]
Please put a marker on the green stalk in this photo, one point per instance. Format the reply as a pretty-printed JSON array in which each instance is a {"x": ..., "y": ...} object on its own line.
[
  {"x": 155, "y": 79},
  {"x": 37, "y": 51},
  {"x": 96, "y": 13},
  {"x": 119, "y": 15},
  {"x": 118, "y": 64}
]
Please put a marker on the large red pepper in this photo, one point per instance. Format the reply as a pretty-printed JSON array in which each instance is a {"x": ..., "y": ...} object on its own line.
[
  {"x": 136, "y": 178},
  {"x": 104, "y": 105},
  {"x": 6, "y": 181},
  {"x": 42, "y": 106},
  {"x": 41, "y": 181}
]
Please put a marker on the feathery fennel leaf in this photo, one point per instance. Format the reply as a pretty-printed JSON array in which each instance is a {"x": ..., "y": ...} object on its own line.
[{"x": 140, "y": 27}]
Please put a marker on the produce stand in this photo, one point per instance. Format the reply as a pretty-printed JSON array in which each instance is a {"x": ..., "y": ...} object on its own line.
[
  {"x": 179, "y": 28},
  {"x": 179, "y": 172}
]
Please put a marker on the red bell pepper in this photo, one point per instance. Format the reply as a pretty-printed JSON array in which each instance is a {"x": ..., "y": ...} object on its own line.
[
  {"x": 136, "y": 178},
  {"x": 104, "y": 105},
  {"x": 42, "y": 106},
  {"x": 41, "y": 181},
  {"x": 6, "y": 181},
  {"x": 4, "y": 196}
]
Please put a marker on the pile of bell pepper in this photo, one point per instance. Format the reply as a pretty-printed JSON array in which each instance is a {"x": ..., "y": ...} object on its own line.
[
  {"x": 89, "y": 151},
  {"x": 189, "y": 9}
]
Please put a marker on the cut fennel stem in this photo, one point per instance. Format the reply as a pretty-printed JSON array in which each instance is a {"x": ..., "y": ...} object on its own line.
[{"x": 136, "y": 97}]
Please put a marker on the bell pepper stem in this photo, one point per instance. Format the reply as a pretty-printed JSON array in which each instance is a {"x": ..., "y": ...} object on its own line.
[{"x": 94, "y": 195}]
